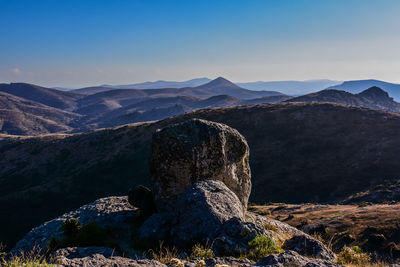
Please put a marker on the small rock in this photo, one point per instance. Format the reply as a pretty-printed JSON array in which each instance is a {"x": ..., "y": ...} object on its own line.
[
  {"x": 141, "y": 197},
  {"x": 308, "y": 246},
  {"x": 293, "y": 259},
  {"x": 175, "y": 263}
]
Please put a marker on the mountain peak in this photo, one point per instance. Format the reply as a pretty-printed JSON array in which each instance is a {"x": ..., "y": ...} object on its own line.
[
  {"x": 374, "y": 92},
  {"x": 219, "y": 82}
]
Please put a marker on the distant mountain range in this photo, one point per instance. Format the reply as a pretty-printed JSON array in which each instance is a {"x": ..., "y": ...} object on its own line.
[
  {"x": 27, "y": 109},
  {"x": 355, "y": 87},
  {"x": 161, "y": 84},
  {"x": 211, "y": 88},
  {"x": 31, "y": 110},
  {"x": 286, "y": 87},
  {"x": 290, "y": 87}
]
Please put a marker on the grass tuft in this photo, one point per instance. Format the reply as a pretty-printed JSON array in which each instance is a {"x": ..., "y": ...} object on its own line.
[
  {"x": 354, "y": 256},
  {"x": 164, "y": 254},
  {"x": 262, "y": 246},
  {"x": 200, "y": 251},
  {"x": 31, "y": 259}
]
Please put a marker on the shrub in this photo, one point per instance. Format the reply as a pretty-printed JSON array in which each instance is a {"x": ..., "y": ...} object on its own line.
[
  {"x": 91, "y": 234},
  {"x": 78, "y": 235},
  {"x": 353, "y": 255},
  {"x": 262, "y": 246},
  {"x": 71, "y": 226},
  {"x": 200, "y": 251}
]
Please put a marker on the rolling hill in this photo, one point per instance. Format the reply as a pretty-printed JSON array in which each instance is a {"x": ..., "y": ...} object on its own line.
[
  {"x": 49, "y": 97},
  {"x": 19, "y": 116},
  {"x": 300, "y": 152},
  {"x": 107, "y": 115}
]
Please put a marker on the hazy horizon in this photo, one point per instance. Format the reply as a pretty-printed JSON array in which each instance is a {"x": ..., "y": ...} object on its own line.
[{"x": 83, "y": 43}]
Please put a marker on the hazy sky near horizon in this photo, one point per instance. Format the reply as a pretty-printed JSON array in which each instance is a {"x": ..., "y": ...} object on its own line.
[{"x": 75, "y": 43}]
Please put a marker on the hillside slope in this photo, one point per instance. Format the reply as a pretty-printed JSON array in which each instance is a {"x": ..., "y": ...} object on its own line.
[
  {"x": 24, "y": 117},
  {"x": 109, "y": 113},
  {"x": 299, "y": 152}
]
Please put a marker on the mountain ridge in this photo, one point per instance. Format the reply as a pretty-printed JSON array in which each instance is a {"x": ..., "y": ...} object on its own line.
[
  {"x": 374, "y": 98},
  {"x": 356, "y": 86}
]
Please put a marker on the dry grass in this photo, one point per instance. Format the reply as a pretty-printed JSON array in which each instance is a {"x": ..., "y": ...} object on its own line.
[
  {"x": 33, "y": 258},
  {"x": 200, "y": 251},
  {"x": 164, "y": 254},
  {"x": 345, "y": 225}
]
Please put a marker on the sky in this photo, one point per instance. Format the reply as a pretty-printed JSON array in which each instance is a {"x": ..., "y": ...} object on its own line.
[{"x": 76, "y": 43}]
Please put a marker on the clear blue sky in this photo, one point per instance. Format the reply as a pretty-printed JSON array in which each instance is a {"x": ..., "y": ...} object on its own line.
[{"x": 81, "y": 42}]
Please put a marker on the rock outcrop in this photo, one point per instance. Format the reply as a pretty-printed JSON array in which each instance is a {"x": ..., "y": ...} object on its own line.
[
  {"x": 112, "y": 212},
  {"x": 98, "y": 260},
  {"x": 198, "y": 150}
]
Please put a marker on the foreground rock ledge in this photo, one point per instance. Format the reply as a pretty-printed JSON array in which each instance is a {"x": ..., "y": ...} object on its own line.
[
  {"x": 198, "y": 150},
  {"x": 67, "y": 258}
]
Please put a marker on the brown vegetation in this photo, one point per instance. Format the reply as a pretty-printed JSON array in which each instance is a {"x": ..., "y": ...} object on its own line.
[{"x": 373, "y": 228}]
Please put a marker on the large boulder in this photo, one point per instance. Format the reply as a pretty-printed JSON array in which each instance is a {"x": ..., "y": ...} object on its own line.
[
  {"x": 198, "y": 150},
  {"x": 197, "y": 215},
  {"x": 202, "y": 209}
]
